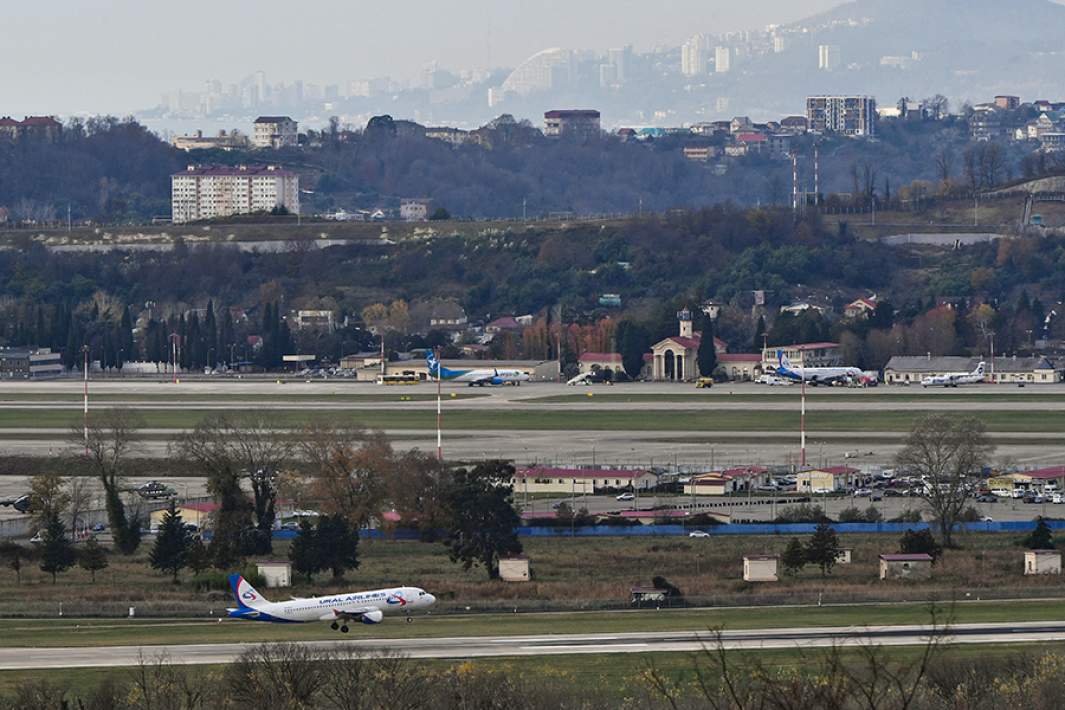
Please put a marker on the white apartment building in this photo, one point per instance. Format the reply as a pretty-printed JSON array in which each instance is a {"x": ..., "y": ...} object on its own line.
[
  {"x": 828, "y": 57},
  {"x": 414, "y": 209},
  {"x": 848, "y": 115},
  {"x": 275, "y": 132},
  {"x": 208, "y": 192},
  {"x": 693, "y": 58},
  {"x": 722, "y": 60}
]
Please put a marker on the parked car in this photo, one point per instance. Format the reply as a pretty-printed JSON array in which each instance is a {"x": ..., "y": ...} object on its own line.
[
  {"x": 1057, "y": 498},
  {"x": 862, "y": 493},
  {"x": 876, "y": 498},
  {"x": 987, "y": 498},
  {"x": 99, "y": 527},
  {"x": 625, "y": 496},
  {"x": 698, "y": 533}
]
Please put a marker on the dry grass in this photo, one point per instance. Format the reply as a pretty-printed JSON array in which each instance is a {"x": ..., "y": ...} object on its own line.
[{"x": 568, "y": 574}]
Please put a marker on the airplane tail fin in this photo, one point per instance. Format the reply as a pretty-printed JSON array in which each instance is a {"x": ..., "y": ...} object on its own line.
[
  {"x": 980, "y": 369},
  {"x": 245, "y": 594},
  {"x": 783, "y": 360},
  {"x": 433, "y": 363}
]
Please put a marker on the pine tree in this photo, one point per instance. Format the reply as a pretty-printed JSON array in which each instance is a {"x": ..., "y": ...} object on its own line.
[
  {"x": 304, "y": 553},
  {"x": 93, "y": 557},
  {"x": 823, "y": 548},
  {"x": 338, "y": 545},
  {"x": 171, "y": 550},
  {"x": 921, "y": 541},
  {"x": 199, "y": 557},
  {"x": 57, "y": 552},
  {"x": 794, "y": 558},
  {"x": 13, "y": 555},
  {"x": 1041, "y": 538}
]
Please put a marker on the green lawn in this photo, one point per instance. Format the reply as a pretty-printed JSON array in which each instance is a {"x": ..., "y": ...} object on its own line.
[
  {"x": 95, "y": 632},
  {"x": 1032, "y": 421},
  {"x": 721, "y": 392},
  {"x": 391, "y": 394}
]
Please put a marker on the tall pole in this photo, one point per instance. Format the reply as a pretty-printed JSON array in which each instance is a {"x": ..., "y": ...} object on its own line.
[
  {"x": 440, "y": 415},
  {"x": 802, "y": 412},
  {"x": 794, "y": 182},
  {"x": 817, "y": 174},
  {"x": 85, "y": 380}
]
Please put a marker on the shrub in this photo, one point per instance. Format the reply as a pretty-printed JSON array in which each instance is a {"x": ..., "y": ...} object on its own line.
[
  {"x": 922, "y": 541},
  {"x": 803, "y": 513}
]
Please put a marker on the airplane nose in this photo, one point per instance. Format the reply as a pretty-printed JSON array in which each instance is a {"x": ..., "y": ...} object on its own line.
[{"x": 430, "y": 599}]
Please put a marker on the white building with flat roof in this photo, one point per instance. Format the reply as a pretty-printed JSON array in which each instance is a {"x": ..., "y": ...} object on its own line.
[
  {"x": 213, "y": 191},
  {"x": 275, "y": 132}
]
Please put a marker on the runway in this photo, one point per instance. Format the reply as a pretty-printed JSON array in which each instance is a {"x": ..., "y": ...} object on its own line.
[{"x": 550, "y": 645}]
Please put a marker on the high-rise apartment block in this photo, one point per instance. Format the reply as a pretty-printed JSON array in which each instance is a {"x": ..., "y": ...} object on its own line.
[
  {"x": 847, "y": 115},
  {"x": 722, "y": 60},
  {"x": 209, "y": 192},
  {"x": 693, "y": 56},
  {"x": 275, "y": 132},
  {"x": 828, "y": 57}
]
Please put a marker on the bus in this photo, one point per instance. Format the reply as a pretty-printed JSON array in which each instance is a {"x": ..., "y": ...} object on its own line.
[{"x": 407, "y": 378}]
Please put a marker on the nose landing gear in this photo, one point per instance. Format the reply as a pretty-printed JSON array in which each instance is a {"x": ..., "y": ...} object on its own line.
[{"x": 334, "y": 626}]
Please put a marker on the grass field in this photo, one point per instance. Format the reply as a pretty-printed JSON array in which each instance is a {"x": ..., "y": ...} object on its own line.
[
  {"x": 792, "y": 394},
  {"x": 827, "y": 420},
  {"x": 388, "y": 395}
]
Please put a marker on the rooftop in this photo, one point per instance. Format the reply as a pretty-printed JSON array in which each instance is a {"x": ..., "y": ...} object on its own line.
[
  {"x": 235, "y": 171},
  {"x": 913, "y": 557},
  {"x": 545, "y": 472}
]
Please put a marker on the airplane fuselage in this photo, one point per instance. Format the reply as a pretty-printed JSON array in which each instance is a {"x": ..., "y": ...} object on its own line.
[{"x": 368, "y": 606}]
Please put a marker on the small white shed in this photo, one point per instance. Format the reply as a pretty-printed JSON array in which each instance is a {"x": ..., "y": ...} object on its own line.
[
  {"x": 844, "y": 556},
  {"x": 514, "y": 569},
  {"x": 276, "y": 574},
  {"x": 760, "y": 568},
  {"x": 1042, "y": 562}
]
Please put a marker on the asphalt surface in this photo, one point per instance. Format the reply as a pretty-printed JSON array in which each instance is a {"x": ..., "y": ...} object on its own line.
[{"x": 551, "y": 645}]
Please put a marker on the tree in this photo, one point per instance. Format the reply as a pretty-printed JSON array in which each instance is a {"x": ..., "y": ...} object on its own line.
[
  {"x": 1041, "y": 538},
  {"x": 948, "y": 453},
  {"x": 338, "y": 545},
  {"x": 171, "y": 550},
  {"x": 439, "y": 214},
  {"x": 794, "y": 557},
  {"x": 633, "y": 341},
  {"x": 303, "y": 554},
  {"x": 350, "y": 470},
  {"x": 79, "y": 493},
  {"x": 57, "y": 552},
  {"x": 706, "y": 356},
  {"x": 47, "y": 498},
  {"x": 480, "y": 519},
  {"x": 823, "y": 548},
  {"x": 110, "y": 440},
  {"x": 920, "y": 542},
  {"x": 13, "y": 556},
  {"x": 199, "y": 557},
  {"x": 92, "y": 557}
]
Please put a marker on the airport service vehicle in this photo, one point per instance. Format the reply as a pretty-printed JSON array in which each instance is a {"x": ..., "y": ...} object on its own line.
[
  {"x": 154, "y": 490},
  {"x": 625, "y": 496},
  {"x": 704, "y": 383},
  {"x": 1057, "y": 498},
  {"x": 816, "y": 375},
  {"x": 589, "y": 378},
  {"x": 479, "y": 377},
  {"x": 404, "y": 379},
  {"x": 698, "y": 533},
  {"x": 1001, "y": 492},
  {"x": 953, "y": 379},
  {"x": 338, "y": 609}
]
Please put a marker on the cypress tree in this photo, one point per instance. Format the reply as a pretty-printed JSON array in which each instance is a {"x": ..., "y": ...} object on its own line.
[
  {"x": 93, "y": 557},
  {"x": 305, "y": 553},
  {"x": 706, "y": 356},
  {"x": 57, "y": 552},
  {"x": 823, "y": 548},
  {"x": 338, "y": 545}
]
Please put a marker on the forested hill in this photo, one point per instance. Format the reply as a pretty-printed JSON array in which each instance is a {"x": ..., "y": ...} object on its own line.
[
  {"x": 655, "y": 264},
  {"x": 112, "y": 172}
]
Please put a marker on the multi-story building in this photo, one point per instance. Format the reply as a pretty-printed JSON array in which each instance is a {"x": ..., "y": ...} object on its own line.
[
  {"x": 828, "y": 57},
  {"x": 1008, "y": 103},
  {"x": 29, "y": 363},
  {"x": 198, "y": 141},
  {"x": 275, "y": 132},
  {"x": 693, "y": 59},
  {"x": 722, "y": 60},
  {"x": 572, "y": 124},
  {"x": 209, "y": 192},
  {"x": 847, "y": 115},
  {"x": 44, "y": 128},
  {"x": 414, "y": 209}
]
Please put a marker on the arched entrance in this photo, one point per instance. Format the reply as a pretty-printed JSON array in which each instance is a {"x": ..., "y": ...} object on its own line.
[{"x": 669, "y": 365}]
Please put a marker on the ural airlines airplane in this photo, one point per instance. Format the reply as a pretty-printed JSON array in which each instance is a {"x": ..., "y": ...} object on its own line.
[
  {"x": 817, "y": 375},
  {"x": 953, "y": 379},
  {"x": 340, "y": 609},
  {"x": 482, "y": 377}
]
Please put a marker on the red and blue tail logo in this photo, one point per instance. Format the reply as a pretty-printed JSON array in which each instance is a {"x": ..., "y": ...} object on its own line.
[{"x": 394, "y": 599}]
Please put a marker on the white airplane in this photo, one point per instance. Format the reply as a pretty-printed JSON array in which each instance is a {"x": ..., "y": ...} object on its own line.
[
  {"x": 817, "y": 375},
  {"x": 340, "y": 609},
  {"x": 482, "y": 377},
  {"x": 953, "y": 379}
]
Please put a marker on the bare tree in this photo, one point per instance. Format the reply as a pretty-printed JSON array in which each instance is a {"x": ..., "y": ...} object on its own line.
[
  {"x": 948, "y": 454},
  {"x": 945, "y": 167},
  {"x": 80, "y": 494},
  {"x": 229, "y": 451},
  {"x": 103, "y": 449}
]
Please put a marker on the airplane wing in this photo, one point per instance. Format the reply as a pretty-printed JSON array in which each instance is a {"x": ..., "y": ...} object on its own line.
[{"x": 364, "y": 614}]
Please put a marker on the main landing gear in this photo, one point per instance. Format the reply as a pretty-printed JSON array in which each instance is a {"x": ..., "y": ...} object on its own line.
[
  {"x": 343, "y": 629},
  {"x": 410, "y": 619}
]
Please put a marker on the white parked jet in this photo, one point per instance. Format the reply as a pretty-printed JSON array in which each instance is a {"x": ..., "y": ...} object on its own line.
[
  {"x": 953, "y": 379},
  {"x": 481, "y": 377},
  {"x": 817, "y": 375},
  {"x": 340, "y": 609}
]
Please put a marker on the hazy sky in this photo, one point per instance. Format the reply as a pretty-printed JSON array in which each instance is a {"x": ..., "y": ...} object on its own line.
[{"x": 69, "y": 56}]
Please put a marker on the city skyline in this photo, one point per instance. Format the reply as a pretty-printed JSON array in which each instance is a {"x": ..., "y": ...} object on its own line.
[{"x": 104, "y": 59}]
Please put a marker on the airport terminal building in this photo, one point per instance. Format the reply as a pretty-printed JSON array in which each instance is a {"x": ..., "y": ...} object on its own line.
[{"x": 911, "y": 369}]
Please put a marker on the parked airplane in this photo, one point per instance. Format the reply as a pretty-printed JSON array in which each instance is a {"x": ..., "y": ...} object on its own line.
[
  {"x": 481, "y": 377},
  {"x": 953, "y": 379},
  {"x": 817, "y": 375},
  {"x": 340, "y": 609}
]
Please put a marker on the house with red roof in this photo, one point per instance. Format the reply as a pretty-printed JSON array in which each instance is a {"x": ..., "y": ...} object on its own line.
[
  {"x": 502, "y": 324},
  {"x": 860, "y": 308},
  {"x": 740, "y": 367},
  {"x": 718, "y": 483},
  {"x": 675, "y": 359}
]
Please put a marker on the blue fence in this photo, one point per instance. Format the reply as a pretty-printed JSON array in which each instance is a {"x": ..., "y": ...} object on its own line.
[{"x": 1011, "y": 526}]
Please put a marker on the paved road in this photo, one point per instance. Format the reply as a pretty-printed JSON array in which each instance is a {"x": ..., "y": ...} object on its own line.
[{"x": 551, "y": 645}]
